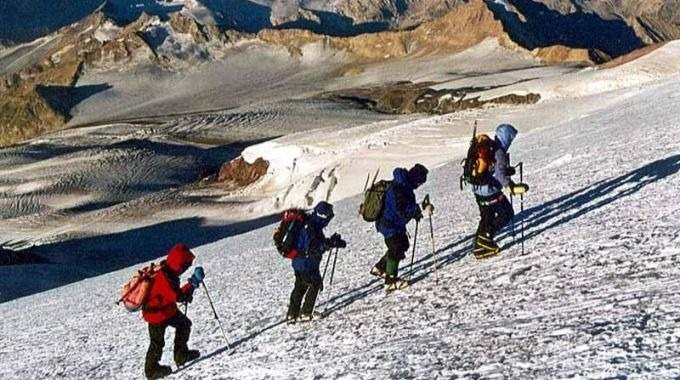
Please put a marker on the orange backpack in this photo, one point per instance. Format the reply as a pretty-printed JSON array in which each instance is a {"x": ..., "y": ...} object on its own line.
[
  {"x": 478, "y": 166},
  {"x": 136, "y": 291}
]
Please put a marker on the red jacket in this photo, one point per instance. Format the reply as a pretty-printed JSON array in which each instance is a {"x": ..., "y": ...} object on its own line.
[{"x": 165, "y": 292}]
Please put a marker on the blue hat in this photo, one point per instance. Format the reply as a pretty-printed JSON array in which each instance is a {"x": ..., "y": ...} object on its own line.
[
  {"x": 324, "y": 211},
  {"x": 505, "y": 133}
]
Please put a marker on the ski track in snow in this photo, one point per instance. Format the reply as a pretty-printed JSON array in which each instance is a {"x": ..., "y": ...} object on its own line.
[{"x": 595, "y": 296}]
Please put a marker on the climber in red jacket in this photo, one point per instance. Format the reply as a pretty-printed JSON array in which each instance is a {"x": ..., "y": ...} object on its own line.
[{"x": 160, "y": 310}]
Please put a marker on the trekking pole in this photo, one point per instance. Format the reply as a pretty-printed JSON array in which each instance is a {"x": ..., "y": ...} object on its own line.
[
  {"x": 325, "y": 268},
  {"x": 335, "y": 260},
  {"x": 434, "y": 251},
  {"x": 330, "y": 285},
  {"x": 512, "y": 205},
  {"x": 512, "y": 221},
  {"x": 413, "y": 253},
  {"x": 217, "y": 318},
  {"x": 521, "y": 203}
]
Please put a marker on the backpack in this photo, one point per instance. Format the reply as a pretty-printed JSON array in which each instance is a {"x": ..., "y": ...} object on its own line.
[
  {"x": 136, "y": 291},
  {"x": 374, "y": 201},
  {"x": 479, "y": 162},
  {"x": 285, "y": 235}
]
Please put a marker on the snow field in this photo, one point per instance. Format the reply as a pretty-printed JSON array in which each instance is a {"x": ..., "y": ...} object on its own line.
[{"x": 595, "y": 296}]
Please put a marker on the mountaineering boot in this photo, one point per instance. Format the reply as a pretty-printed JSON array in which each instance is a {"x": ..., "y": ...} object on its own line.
[
  {"x": 310, "y": 317},
  {"x": 186, "y": 356},
  {"x": 392, "y": 284},
  {"x": 291, "y": 319},
  {"x": 158, "y": 372},
  {"x": 485, "y": 247},
  {"x": 377, "y": 272}
]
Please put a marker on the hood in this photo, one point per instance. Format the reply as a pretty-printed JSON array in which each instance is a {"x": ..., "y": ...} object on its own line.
[
  {"x": 179, "y": 258},
  {"x": 505, "y": 133},
  {"x": 401, "y": 177}
]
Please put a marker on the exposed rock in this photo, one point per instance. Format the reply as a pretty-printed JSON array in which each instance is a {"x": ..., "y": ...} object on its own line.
[
  {"x": 27, "y": 104},
  {"x": 183, "y": 23},
  {"x": 631, "y": 56},
  {"x": 560, "y": 54},
  {"x": 463, "y": 27},
  {"x": 408, "y": 97},
  {"x": 239, "y": 173}
]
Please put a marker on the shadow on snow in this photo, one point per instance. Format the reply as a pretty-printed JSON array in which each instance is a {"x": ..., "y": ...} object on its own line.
[{"x": 545, "y": 216}]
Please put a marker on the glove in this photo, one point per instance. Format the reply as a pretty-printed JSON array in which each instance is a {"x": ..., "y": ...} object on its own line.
[
  {"x": 418, "y": 216},
  {"x": 510, "y": 171},
  {"x": 197, "y": 277},
  {"x": 519, "y": 188},
  {"x": 336, "y": 241}
]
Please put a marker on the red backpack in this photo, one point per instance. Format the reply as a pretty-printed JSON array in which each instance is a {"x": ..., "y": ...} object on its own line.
[
  {"x": 285, "y": 235},
  {"x": 136, "y": 291}
]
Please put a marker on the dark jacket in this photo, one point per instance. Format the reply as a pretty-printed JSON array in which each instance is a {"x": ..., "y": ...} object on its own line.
[
  {"x": 311, "y": 243},
  {"x": 400, "y": 205}
]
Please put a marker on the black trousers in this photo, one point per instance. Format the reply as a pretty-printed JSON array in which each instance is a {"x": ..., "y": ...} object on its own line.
[
  {"x": 397, "y": 246},
  {"x": 182, "y": 326},
  {"x": 307, "y": 286},
  {"x": 495, "y": 213}
]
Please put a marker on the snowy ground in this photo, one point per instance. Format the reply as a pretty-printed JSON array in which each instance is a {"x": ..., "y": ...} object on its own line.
[{"x": 595, "y": 296}]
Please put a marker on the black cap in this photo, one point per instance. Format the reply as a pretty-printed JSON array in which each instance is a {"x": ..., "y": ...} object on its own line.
[{"x": 417, "y": 175}]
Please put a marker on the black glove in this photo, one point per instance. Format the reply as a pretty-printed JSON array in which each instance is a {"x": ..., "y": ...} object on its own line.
[
  {"x": 418, "y": 216},
  {"x": 189, "y": 297},
  {"x": 510, "y": 171},
  {"x": 336, "y": 241}
]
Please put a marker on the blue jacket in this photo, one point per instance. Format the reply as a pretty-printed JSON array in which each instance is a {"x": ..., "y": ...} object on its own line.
[
  {"x": 400, "y": 206},
  {"x": 501, "y": 179},
  {"x": 311, "y": 243}
]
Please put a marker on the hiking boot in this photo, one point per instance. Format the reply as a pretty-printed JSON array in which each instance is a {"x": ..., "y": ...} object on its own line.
[
  {"x": 187, "y": 356},
  {"x": 375, "y": 271},
  {"x": 291, "y": 319},
  {"x": 485, "y": 247},
  {"x": 158, "y": 372},
  {"x": 310, "y": 317},
  {"x": 392, "y": 284}
]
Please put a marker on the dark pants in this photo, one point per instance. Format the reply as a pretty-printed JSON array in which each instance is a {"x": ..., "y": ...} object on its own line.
[
  {"x": 397, "y": 246},
  {"x": 495, "y": 213},
  {"x": 305, "y": 283},
  {"x": 182, "y": 326}
]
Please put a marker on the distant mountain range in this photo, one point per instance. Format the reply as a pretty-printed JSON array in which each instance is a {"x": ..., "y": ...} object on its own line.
[
  {"x": 565, "y": 21},
  {"x": 38, "y": 80}
]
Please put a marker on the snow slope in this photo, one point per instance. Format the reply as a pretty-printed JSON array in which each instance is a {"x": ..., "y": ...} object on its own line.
[{"x": 595, "y": 296}]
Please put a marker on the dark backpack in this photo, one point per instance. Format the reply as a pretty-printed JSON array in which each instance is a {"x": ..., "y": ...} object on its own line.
[
  {"x": 374, "y": 201},
  {"x": 286, "y": 234},
  {"x": 479, "y": 162}
]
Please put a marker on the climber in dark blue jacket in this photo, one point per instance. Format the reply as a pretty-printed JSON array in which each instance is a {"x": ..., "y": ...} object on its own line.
[
  {"x": 311, "y": 244},
  {"x": 400, "y": 207}
]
